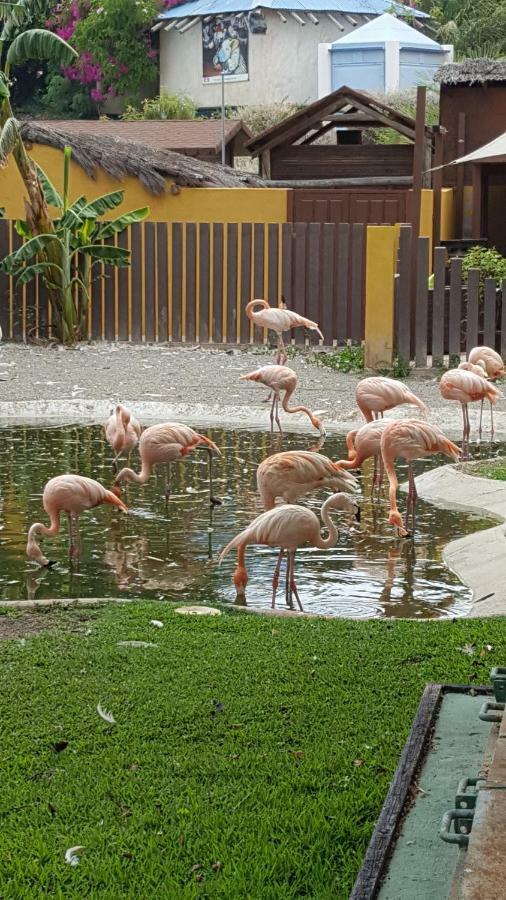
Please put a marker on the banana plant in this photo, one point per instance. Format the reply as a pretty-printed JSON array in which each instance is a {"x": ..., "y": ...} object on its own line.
[{"x": 65, "y": 257}]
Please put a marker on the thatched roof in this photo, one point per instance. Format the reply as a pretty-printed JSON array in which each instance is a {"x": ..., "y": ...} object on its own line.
[
  {"x": 472, "y": 71},
  {"x": 119, "y": 158}
]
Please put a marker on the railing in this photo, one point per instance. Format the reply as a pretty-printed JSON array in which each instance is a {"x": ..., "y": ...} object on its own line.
[
  {"x": 440, "y": 319},
  {"x": 190, "y": 282}
]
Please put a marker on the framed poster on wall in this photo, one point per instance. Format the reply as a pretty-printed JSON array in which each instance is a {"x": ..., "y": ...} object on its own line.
[{"x": 225, "y": 47}]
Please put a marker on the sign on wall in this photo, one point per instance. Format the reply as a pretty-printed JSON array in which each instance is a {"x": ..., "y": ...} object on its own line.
[{"x": 225, "y": 46}]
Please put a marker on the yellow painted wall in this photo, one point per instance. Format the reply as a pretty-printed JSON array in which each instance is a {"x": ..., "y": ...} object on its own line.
[
  {"x": 426, "y": 215},
  {"x": 379, "y": 295},
  {"x": 190, "y": 205},
  {"x": 447, "y": 214}
]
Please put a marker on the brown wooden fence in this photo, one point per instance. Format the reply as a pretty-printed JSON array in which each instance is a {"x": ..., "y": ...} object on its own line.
[
  {"x": 449, "y": 314},
  {"x": 191, "y": 282}
]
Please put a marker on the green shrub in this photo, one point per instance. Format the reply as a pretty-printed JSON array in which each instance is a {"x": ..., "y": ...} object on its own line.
[
  {"x": 488, "y": 260},
  {"x": 349, "y": 359},
  {"x": 165, "y": 106}
]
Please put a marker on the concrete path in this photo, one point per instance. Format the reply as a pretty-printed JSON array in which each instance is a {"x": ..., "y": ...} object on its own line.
[
  {"x": 189, "y": 383},
  {"x": 478, "y": 559}
]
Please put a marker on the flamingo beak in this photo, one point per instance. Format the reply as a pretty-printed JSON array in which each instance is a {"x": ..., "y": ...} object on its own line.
[{"x": 50, "y": 563}]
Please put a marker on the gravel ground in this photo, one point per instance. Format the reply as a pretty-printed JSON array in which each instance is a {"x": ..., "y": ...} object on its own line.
[{"x": 192, "y": 383}]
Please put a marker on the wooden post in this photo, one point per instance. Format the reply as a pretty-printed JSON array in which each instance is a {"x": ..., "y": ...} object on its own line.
[
  {"x": 459, "y": 202},
  {"x": 477, "y": 225},
  {"x": 379, "y": 295},
  {"x": 437, "y": 184},
  {"x": 416, "y": 198}
]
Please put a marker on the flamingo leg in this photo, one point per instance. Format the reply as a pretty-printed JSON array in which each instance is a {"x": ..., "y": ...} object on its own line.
[
  {"x": 71, "y": 535},
  {"x": 492, "y": 430},
  {"x": 374, "y": 476},
  {"x": 78, "y": 537},
  {"x": 465, "y": 434},
  {"x": 281, "y": 356},
  {"x": 115, "y": 463},
  {"x": 275, "y": 577},
  {"x": 167, "y": 481},
  {"x": 276, "y": 407},
  {"x": 414, "y": 496},
  {"x": 293, "y": 586},
  {"x": 288, "y": 593},
  {"x": 272, "y": 412},
  {"x": 214, "y": 501},
  {"x": 481, "y": 418}
]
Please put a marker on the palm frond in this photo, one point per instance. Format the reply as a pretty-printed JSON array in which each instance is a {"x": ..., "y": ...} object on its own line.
[
  {"x": 38, "y": 43},
  {"x": 9, "y": 138}
]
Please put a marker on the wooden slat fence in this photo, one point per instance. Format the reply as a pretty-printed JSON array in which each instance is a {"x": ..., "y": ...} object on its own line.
[
  {"x": 190, "y": 282},
  {"x": 449, "y": 314}
]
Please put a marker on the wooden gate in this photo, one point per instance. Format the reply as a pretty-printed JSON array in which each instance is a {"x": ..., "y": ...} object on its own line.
[
  {"x": 191, "y": 281},
  {"x": 361, "y": 205}
]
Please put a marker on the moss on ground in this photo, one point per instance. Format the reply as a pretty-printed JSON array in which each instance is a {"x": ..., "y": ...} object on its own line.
[
  {"x": 491, "y": 469},
  {"x": 250, "y": 758}
]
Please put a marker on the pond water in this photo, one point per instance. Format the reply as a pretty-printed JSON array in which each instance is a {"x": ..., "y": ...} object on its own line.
[{"x": 169, "y": 551}]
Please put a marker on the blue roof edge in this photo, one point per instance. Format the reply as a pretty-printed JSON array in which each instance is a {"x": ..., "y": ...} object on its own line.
[{"x": 201, "y": 8}]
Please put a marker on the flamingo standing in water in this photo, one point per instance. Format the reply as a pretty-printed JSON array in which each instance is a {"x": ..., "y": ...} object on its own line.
[
  {"x": 377, "y": 394},
  {"x": 71, "y": 494},
  {"x": 281, "y": 378},
  {"x": 165, "y": 444},
  {"x": 494, "y": 367},
  {"x": 364, "y": 443},
  {"x": 287, "y": 527},
  {"x": 466, "y": 387},
  {"x": 294, "y": 473},
  {"x": 278, "y": 320},
  {"x": 122, "y": 432},
  {"x": 410, "y": 439}
]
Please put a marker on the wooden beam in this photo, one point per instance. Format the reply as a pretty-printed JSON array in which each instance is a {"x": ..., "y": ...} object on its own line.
[
  {"x": 461, "y": 150},
  {"x": 355, "y": 119},
  {"x": 396, "y": 181},
  {"x": 437, "y": 183},
  {"x": 477, "y": 221},
  {"x": 386, "y": 121},
  {"x": 416, "y": 197},
  {"x": 316, "y": 134}
]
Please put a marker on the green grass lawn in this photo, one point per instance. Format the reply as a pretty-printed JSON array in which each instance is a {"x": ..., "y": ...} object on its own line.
[{"x": 250, "y": 758}]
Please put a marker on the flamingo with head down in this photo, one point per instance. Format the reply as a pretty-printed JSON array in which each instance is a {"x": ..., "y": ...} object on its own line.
[
  {"x": 364, "y": 443},
  {"x": 281, "y": 378},
  {"x": 294, "y": 473},
  {"x": 287, "y": 527},
  {"x": 165, "y": 444},
  {"x": 71, "y": 494},
  {"x": 278, "y": 320},
  {"x": 410, "y": 440}
]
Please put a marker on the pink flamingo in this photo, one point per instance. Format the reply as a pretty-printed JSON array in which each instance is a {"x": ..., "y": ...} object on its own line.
[
  {"x": 294, "y": 473},
  {"x": 364, "y": 443},
  {"x": 71, "y": 494},
  {"x": 287, "y": 527},
  {"x": 493, "y": 364},
  {"x": 410, "y": 439},
  {"x": 466, "y": 387},
  {"x": 278, "y": 320},
  {"x": 165, "y": 444},
  {"x": 122, "y": 432},
  {"x": 377, "y": 394},
  {"x": 281, "y": 378}
]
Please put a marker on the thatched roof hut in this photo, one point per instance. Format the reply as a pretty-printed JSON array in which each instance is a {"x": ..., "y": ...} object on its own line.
[
  {"x": 472, "y": 71},
  {"x": 119, "y": 158}
]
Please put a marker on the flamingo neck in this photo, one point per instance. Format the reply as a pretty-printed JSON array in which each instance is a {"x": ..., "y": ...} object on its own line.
[
  {"x": 250, "y": 307},
  {"x": 295, "y": 409},
  {"x": 331, "y": 539},
  {"x": 33, "y": 550},
  {"x": 138, "y": 477},
  {"x": 366, "y": 412},
  {"x": 388, "y": 463}
]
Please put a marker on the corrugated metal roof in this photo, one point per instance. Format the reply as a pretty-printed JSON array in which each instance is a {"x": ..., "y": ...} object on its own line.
[
  {"x": 387, "y": 28},
  {"x": 217, "y": 7}
]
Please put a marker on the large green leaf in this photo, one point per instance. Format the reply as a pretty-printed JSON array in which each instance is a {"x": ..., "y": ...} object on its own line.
[
  {"x": 42, "y": 268},
  {"x": 4, "y": 89},
  {"x": 23, "y": 229},
  {"x": 35, "y": 245},
  {"x": 37, "y": 43},
  {"x": 99, "y": 206},
  {"x": 9, "y": 138},
  {"x": 114, "y": 256},
  {"x": 122, "y": 222},
  {"x": 50, "y": 193}
]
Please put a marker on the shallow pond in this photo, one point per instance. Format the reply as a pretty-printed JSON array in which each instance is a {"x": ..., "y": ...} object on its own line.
[{"x": 168, "y": 551}]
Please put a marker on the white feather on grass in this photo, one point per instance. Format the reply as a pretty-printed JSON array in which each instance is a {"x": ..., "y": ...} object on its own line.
[
  {"x": 71, "y": 855},
  {"x": 105, "y": 715},
  {"x": 156, "y": 623}
]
